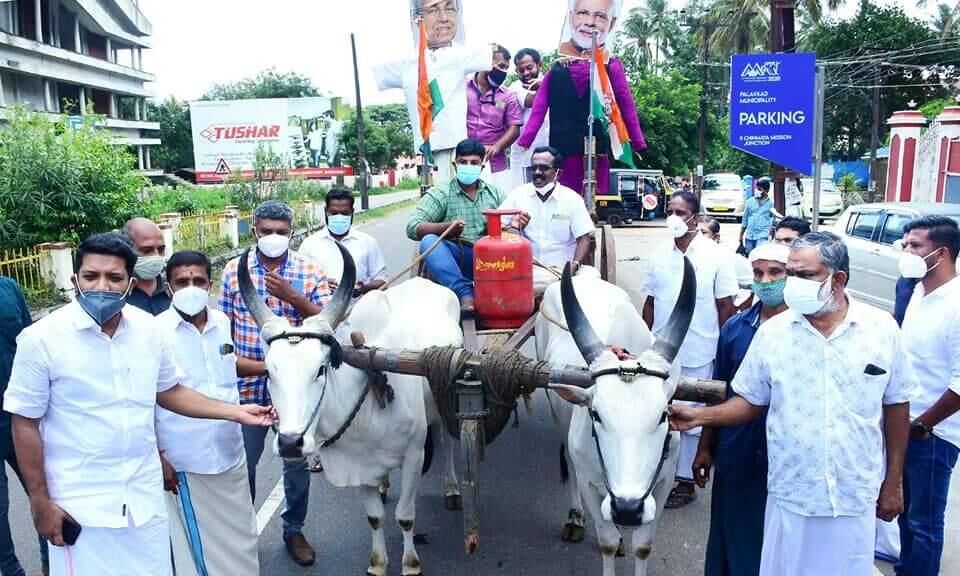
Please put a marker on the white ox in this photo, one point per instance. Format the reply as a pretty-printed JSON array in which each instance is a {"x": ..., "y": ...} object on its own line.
[
  {"x": 325, "y": 408},
  {"x": 622, "y": 453}
]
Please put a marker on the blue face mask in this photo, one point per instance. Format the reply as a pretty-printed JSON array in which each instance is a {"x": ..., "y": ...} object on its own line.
[
  {"x": 468, "y": 174},
  {"x": 770, "y": 293},
  {"x": 101, "y": 305},
  {"x": 339, "y": 224}
]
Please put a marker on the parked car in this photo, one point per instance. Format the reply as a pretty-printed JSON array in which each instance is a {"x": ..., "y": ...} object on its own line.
[
  {"x": 722, "y": 195},
  {"x": 831, "y": 202},
  {"x": 870, "y": 231}
]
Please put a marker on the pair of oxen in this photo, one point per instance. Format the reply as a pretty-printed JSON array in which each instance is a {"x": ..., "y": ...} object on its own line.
[{"x": 619, "y": 444}]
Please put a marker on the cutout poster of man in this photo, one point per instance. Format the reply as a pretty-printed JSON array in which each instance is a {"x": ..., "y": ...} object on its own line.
[
  {"x": 449, "y": 60},
  {"x": 564, "y": 97}
]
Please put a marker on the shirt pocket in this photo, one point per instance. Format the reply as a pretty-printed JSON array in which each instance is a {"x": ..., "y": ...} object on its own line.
[
  {"x": 864, "y": 393},
  {"x": 559, "y": 228}
]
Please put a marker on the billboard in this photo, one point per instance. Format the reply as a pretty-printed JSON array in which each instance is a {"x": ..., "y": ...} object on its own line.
[{"x": 305, "y": 132}]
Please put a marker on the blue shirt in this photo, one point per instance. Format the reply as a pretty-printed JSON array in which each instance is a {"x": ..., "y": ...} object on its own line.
[
  {"x": 741, "y": 450},
  {"x": 14, "y": 317},
  {"x": 904, "y": 291},
  {"x": 757, "y": 218}
]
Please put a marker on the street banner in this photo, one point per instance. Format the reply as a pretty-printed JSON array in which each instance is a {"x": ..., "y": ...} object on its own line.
[
  {"x": 304, "y": 132},
  {"x": 772, "y": 107}
]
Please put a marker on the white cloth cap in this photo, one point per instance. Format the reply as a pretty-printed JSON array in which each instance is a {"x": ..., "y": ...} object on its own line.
[{"x": 770, "y": 251}]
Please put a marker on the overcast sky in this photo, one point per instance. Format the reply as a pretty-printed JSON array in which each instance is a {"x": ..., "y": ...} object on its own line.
[{"x": 197, "y": 43}]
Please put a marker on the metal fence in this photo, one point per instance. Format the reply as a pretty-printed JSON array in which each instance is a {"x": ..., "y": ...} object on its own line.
[{"x": 24, "y": 266}]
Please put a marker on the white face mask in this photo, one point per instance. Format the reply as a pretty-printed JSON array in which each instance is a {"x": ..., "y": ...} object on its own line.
[
  {"x": 678, "y": 226},
  {"x": 148, "y": 267},
  {"x": 806, "y": 296},
  {"x": 273, "y": 245},
  {"x": 915, "y": 266},
  {"x": 190, "y": 300},
  {"x": 543, "y": 190}
]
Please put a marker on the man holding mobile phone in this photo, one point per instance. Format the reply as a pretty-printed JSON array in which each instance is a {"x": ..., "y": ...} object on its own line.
[{"x": 83, "y": 392}]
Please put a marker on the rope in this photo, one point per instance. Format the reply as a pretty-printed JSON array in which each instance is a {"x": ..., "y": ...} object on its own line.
[
  {"x": 504, "y": 374},
  {"x": 419, "y": 257}
]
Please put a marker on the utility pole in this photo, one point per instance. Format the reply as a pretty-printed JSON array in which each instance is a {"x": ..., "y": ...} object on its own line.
[
  {"x": 707, "y": 31},
  {"x": 782, "y": 39},
  {"x": 361, "y": 152},
  {"x": 874, "y": 136}
]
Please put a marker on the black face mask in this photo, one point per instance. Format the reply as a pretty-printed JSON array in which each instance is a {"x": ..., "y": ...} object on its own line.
[{"x": 496, "y": 77}]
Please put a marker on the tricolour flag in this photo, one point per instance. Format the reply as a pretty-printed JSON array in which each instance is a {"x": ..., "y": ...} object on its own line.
[
  {"x": 613, "y": 123},
  {"x": 429, "y": 99}
]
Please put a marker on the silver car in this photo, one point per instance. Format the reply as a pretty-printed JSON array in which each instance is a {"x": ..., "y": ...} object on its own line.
[
  {"x": 870, "y": 231},
  {"x": 831, "y": 202},
  {"x": 722, "y": 195}
]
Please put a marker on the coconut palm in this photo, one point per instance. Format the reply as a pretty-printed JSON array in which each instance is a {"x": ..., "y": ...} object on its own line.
[
  {"x": 748, "y": 22},
  {"x": 946, "y": 20}
]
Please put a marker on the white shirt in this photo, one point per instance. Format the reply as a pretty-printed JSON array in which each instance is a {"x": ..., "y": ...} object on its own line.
[
  {"x": 449, "y": 67},
  {"x": 518, "y": 154},
  {"x": 96, "y": 399},
  {"x": 931, "y": 339},
  {"x": 199, "y": 445},
  {"x": 825, "y": 442},
  {"x": 554, "y": 225},
  {"x": 367, "y": 257},
  {"x": 716, "y": 279}
]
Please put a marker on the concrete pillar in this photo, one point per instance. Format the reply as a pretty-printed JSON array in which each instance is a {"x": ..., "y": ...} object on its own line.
[
  {"x": 109, "y": 49},
  {"x": 139, "y": 157},
  {"x": 143, "y": 102},
  {"x": 136, "y": 109},
  {"x": 140, "y": 59},
  {"x": 56, "y": 265},
  {"x": 76, "y": 34},
  {"x": 166, "y": 230},
  {"x": 47, "y": 97},
  {"x": 113, "y": 105},
  {"x": 146, "y": 158},
  {"x": 230, "y": 229},
  {"x": 3, "y": 100},
  {"x": 949, "y": 121},
  {"x": 232, "y": 209},
  {"x": 38, "y": 24},
  {"x": 905, "y": 128},
  {"x": 83, "y": 100}
]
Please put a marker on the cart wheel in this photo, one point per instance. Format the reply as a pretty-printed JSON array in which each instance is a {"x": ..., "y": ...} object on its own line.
[
  {"x": 614, "y": 219},
  {"x": 608, "y": 255}
]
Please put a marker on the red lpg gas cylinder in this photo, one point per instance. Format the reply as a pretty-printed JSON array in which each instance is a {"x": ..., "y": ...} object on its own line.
[{"x": 502, "y": 276}]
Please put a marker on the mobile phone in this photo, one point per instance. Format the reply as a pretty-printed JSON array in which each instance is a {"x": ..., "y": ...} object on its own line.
[{"x": 70, "y": 531}]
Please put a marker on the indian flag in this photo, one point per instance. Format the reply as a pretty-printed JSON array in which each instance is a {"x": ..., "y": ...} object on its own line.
[
  {"x": 429, "y": 99},
  {"x": 613, "y": 123}
]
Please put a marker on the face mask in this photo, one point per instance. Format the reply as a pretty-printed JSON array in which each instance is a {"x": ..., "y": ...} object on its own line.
[
  {"x": 273, "y": 245},
  {"x": 770, "y": 293},
  {"x": 496, "y": 77},
  {"x": 190, "y": 300},
  {"x": 914, "y": 266},
  {"x": 148, "y": 267},
  {"x": 544, "y": 190},
  {"x": 804, "y": 295},
  {"x": 102, "y": 305},
  {"x": 468, "y": 174},
  {"x": 339, "y": 224},
  {"x": 678, "y": 226}
]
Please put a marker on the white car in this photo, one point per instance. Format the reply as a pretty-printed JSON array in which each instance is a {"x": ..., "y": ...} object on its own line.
[
  {"x": 831, "y": 201},
  {"x": 722, "y": 195}
]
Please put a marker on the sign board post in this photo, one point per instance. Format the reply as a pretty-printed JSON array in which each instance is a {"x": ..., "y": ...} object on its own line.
[
  {"x": 818, "y": 146},
  {"x": 772, "y": 107}
]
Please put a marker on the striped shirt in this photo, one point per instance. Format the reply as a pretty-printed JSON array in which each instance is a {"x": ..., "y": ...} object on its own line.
[
  {"x": 449, "y": 203},
  {"x": 305, "y": 276}
]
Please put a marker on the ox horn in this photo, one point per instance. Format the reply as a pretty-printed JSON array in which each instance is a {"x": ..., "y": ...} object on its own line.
[
  {"x": 586, "y": 339},
  {"x": 336, "y": 308},
  {"x": 255, "y": 304},
  {"x": 670, "y": 337}
]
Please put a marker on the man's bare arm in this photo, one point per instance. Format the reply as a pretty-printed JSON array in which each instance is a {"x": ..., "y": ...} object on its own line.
[
  {"x": 648, "y": 312},
  {"x": 733, "y": 412},
  {"x": 582, "y": 250},
  {"x": 189, "y": 402},
  {"x": 896, "y": 432},
  {"x": 47, "y": 516},
  {"x": 946, "y": 406},
  {"x": 725, "y": 309},
  {"x": 247, "y": 367}
]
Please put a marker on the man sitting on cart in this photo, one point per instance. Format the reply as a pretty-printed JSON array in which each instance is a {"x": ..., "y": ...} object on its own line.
[
  {"x": 552, "y": 217},
  {"x": 456, "y": 209}
]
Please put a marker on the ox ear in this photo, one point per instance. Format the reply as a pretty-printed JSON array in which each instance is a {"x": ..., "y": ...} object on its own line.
[{"x": 573, "y": 394}]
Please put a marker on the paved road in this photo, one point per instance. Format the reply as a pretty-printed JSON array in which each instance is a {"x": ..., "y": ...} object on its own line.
[{"x": 524, "y": 504}]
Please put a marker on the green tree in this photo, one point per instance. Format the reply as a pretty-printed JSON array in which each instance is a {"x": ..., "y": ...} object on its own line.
[
  {"x": 267, "y": 84},
  {"x": 946, "y": 20},
  {"x": 61, "y": 183},
  {"x": 387, "y": 135},
  {"x": 669, "y": 107},
  {"x": 176, "y": 140}
]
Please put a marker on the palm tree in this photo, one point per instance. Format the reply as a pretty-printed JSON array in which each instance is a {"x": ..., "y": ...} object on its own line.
[
  {"x": 634, "y": 39},
  {"x": 658, "y": 18},
  {"x": 946, "y": 20},
  {"x": 748, "y": 22}
]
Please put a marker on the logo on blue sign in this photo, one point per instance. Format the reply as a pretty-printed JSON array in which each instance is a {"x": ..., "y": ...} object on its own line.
[{"x": 772, "y": 107}]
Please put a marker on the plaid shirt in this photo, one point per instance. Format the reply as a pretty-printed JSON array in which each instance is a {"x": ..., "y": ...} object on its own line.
[
  {"x": 446, "y": 204},
  {"x": 305, "y": 276}
]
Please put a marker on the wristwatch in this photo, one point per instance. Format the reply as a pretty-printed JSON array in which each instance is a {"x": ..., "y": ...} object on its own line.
[{"x": 919, "y": 430}]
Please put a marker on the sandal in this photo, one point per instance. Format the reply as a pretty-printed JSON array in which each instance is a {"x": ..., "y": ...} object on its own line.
[
  {"x": 679, "y": 499},
  {"x": 316, "y": 467}
]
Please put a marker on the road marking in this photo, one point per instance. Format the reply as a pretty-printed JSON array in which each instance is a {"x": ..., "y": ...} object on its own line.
[{"x": 269, "y": 507}]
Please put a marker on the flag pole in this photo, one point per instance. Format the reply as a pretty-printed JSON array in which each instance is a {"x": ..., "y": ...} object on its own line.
[
  {"x": 361, "y": 153},
  {"x": 589, "y": 183}
]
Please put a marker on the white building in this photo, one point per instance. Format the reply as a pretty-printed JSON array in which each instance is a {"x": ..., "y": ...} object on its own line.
[{"x": 64, "y": 56}]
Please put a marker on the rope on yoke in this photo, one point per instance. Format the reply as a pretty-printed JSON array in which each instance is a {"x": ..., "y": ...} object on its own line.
[{"x": 504, "y": 374}]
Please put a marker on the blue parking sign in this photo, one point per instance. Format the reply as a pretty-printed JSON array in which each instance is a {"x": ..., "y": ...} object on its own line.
[{"x": 772, "y": 107}]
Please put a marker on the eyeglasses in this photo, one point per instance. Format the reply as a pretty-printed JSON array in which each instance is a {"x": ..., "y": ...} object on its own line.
[
  {"x": 595, "y": 16},
  {"x": 542, "y": 167}
]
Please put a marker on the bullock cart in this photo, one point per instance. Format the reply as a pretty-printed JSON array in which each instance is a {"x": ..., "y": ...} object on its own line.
[{"x": 476, "y": 387}]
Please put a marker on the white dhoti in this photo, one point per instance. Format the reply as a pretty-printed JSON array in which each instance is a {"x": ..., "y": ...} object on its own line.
[
  {"x": 213, "y": 526},
  {"x": 143, "y": 550},
  {"x": 795, "y": 545},
  {"x": 443, "y": 160},
  {"x": 503, "y": 179},
  {"x": 690, "y": 439}
]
